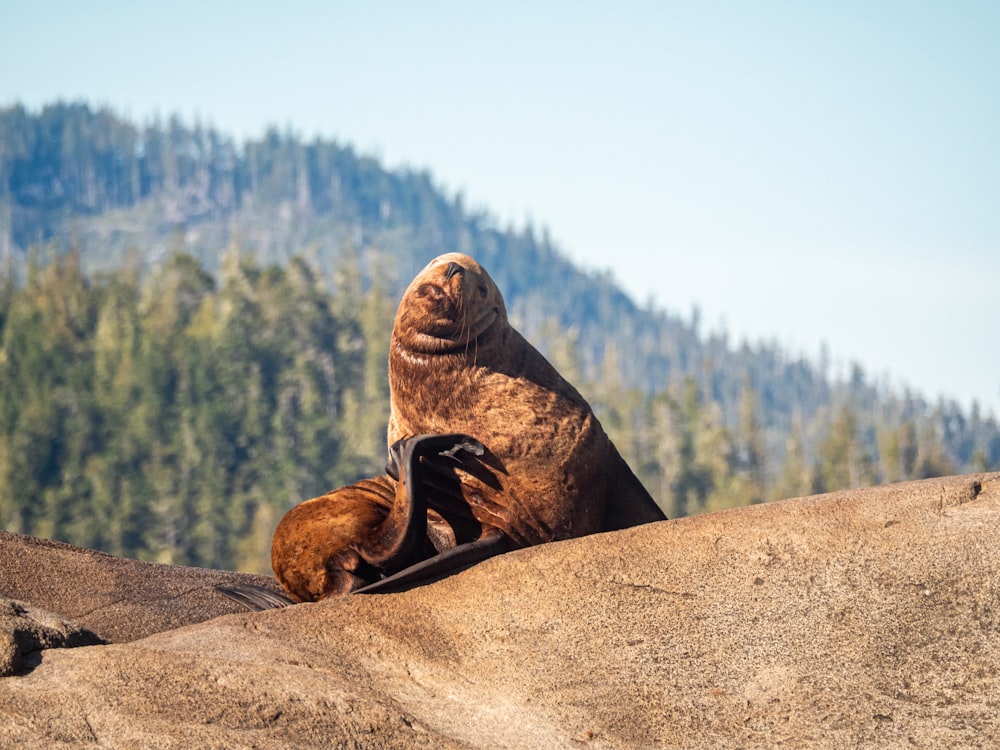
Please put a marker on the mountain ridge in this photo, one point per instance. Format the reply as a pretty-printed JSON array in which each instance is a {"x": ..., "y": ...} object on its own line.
[{"x": 206, "y": 196}]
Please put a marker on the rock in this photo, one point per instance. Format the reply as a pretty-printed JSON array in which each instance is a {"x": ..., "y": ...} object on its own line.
[
  {"x": 119, "y": 599},
  {"x": 25, "y": 631},
  {"x": 866, "y": 618}
]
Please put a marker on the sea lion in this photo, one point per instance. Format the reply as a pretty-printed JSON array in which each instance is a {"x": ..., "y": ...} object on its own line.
[
  {"x": 549, "y": 471},
  {"x": 538, "y": 467}
]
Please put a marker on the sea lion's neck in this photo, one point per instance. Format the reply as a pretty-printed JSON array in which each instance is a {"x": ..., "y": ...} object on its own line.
[{"x": 434, "y": 383}]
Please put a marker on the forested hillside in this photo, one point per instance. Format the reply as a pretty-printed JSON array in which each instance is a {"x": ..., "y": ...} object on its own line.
[{"x": 193, "y": 337}]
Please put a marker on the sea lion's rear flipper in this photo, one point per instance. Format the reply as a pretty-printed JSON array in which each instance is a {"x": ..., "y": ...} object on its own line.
[
  {"x": 254, "y": 598},
  {"x": 396, "y": 542},
  {"x": 493, "y": 542},
  {"x": 629, "y": 504}
]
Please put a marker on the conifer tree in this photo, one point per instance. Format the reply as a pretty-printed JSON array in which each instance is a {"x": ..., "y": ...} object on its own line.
[
  {"x": 843, "y": 459},
  {"x": 752, "y": 458},
  {"x": 796, "y": 477},
  {"x": 692, "y": 479}
]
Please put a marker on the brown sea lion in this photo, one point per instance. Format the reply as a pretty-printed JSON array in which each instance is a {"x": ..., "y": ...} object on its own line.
[
  {"x": 543, "y": 468},
  {"x": 456, "y": 365}
]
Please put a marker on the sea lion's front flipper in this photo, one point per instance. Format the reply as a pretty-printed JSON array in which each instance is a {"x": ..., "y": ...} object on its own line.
[
  {"x": 448, "y": 446},
  {"x": 492, "y": 542},
  {"x": 396, "y": 542}
]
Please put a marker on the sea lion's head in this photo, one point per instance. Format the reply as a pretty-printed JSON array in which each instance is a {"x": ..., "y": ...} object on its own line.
[
  {"x": 450, "y": 306},
  {"x": 316, "y": 551}
]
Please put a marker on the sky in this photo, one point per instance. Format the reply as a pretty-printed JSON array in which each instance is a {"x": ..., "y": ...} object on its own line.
[{"x": 808, "y": 173}]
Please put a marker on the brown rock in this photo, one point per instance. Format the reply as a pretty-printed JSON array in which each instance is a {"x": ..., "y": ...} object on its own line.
[
  {"x": 25, "y": 631},
  {"x": 118, "y": 599},
  {"x": 868, "y": 618}
]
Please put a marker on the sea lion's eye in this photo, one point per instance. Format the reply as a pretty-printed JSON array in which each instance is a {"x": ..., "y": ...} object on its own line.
[{"x": 482, "y": 291}]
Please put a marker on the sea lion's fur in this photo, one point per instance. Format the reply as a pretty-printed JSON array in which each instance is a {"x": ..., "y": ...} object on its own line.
[{"x": 315, "y": 549}]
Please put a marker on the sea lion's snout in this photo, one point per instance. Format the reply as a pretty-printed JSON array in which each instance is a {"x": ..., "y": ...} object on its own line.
[{"x": 453, "y": 269}]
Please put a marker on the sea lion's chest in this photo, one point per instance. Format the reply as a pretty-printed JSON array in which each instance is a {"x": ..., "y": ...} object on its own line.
[
  {"x": 551, "y": 452},
  {"x": 517, "y": 417}
]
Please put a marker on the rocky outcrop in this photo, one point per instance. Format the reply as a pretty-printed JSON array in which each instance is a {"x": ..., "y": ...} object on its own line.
[
  {"x": 119, "y": 599},
  {"x": 26, "y": 631},
  {"x": 867, "y": 618}
]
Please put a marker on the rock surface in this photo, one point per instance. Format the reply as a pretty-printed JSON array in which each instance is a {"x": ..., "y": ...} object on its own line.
[
  {"x": 119, "y": 599},
  {"x": 25, "y": 631},
  {"x": 866, "y": 618}
]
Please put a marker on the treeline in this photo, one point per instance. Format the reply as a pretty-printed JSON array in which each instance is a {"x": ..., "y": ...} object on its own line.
[
  {"x": 71, "y": 175},
  {"x": 175, "y": 417}
]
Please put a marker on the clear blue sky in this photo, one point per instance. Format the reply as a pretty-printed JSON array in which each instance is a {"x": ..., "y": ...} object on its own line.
[{"x": 803, "y": 172}]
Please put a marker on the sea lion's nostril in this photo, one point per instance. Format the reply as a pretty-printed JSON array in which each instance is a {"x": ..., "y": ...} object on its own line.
[{"x": 452, "y": 269}]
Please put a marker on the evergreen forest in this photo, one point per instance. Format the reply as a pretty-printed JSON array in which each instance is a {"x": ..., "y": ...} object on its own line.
[{"x": 194, "y": 337}]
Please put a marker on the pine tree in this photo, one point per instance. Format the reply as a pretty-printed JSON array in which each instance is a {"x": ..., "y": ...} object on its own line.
[
  {"x": 932, "y": 459},
  {"x": 693, "y": 481},
  {"x": 796, "y": 478},
  {"x": 366, "y": 318},
  {"x": 752, "y": 458},
  {"x": 843, "y": 460}
]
